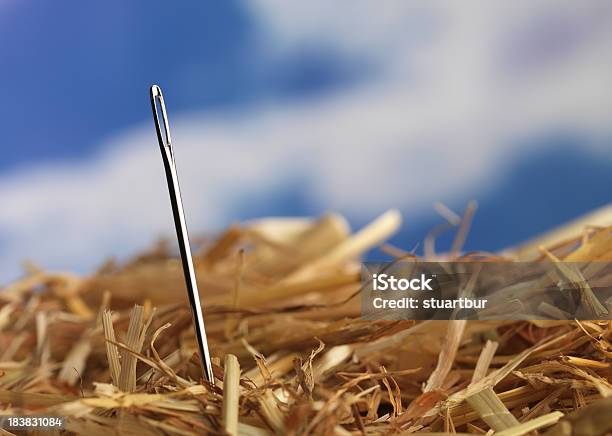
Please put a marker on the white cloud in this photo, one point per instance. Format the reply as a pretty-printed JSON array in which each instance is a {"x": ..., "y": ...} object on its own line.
[{"x": 439, "y": 120}]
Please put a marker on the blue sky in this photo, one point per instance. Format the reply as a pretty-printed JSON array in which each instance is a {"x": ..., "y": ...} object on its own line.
[
  {"x": 283, "y": 108},
  {"x": 77, "y": 73}
]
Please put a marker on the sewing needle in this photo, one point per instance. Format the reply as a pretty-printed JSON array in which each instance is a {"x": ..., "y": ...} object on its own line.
[{"x": 165, "y": 145}]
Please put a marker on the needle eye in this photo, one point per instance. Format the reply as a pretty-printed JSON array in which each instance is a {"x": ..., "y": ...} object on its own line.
[{"x": 159, "y": 107}]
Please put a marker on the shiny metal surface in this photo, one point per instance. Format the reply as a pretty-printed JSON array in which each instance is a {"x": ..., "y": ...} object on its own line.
[{"x": 165, "y": 145}]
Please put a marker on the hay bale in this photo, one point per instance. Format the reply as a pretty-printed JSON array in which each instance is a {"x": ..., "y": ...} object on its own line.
[{"x": 282, "y": 298}]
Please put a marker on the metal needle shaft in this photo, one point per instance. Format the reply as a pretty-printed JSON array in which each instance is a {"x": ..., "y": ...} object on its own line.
[{"x": 165, "y": 145}]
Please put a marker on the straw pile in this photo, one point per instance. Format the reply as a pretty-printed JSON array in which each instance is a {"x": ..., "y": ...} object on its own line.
[{"x": 114, "y": 353}]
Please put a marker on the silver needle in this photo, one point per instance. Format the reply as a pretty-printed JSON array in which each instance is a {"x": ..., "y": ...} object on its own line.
[{"x": 165, "y": 144}]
